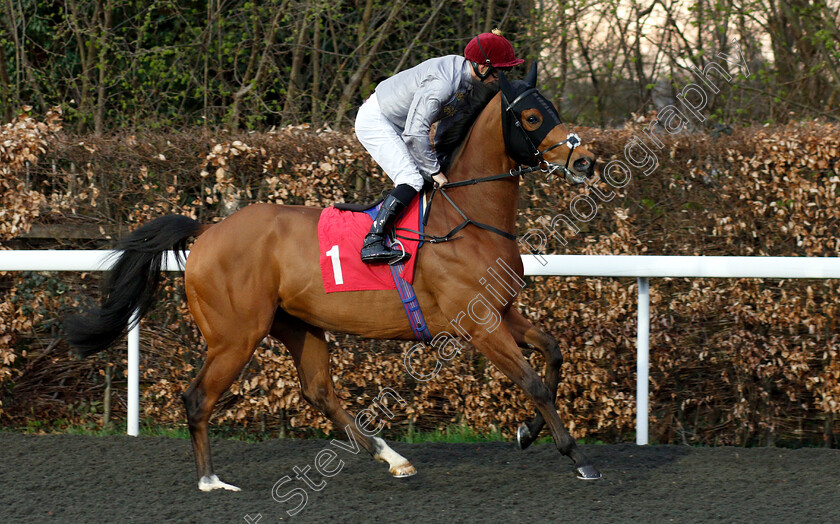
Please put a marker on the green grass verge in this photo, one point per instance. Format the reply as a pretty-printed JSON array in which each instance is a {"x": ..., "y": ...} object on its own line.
[
  {"x": 147, "y": 429},
  {"x": 453, "y": 434}
]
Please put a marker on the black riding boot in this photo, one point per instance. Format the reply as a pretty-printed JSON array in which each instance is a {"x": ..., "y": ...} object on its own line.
[{"x": 374, "y": 249}]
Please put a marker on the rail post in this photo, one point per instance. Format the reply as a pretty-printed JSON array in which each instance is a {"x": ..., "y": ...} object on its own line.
[
  {"x": 133, "y": 415},
  {"x": 642, "y": 362}
]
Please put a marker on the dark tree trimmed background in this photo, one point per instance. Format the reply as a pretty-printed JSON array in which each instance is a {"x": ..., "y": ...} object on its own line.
[{"x": 245, "y": 64}]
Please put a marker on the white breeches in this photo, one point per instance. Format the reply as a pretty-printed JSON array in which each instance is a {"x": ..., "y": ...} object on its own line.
[{"x": 384, "y": 143}]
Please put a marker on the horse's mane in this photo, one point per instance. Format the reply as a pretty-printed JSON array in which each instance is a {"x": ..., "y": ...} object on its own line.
[{"x": 453, "y": 130}]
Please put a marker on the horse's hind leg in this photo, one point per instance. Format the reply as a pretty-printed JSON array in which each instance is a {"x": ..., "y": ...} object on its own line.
[
  {"x": 231, "y": 340},
  {"x": 308, "y": 347},
  {"x": 526, "y": 333},
  {"x": 214, "y": 378}
]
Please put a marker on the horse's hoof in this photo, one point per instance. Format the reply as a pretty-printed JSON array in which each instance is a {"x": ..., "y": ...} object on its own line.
[
  {"x": 523, "y": 436},
  {"x": 212, "y": 482},
  {"x": 587, "y": 473},
  {"x": 402, "y": 471}
]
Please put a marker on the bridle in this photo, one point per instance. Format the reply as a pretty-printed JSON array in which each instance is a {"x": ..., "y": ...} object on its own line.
[
  {"x": 511, "y": 118},
  {"x": 531, "y": 160}
]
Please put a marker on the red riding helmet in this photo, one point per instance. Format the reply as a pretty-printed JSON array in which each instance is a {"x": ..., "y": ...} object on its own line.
[{"x": 491, "y": 49}]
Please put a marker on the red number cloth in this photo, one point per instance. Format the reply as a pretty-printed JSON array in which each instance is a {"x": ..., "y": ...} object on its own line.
[{"x": 347, "y": 230}]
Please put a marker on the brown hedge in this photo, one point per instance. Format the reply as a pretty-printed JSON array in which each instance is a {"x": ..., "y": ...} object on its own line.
[{"x": 732, "y": 361}]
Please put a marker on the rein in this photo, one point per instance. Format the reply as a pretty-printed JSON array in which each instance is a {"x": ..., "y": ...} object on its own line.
[{"x": 434, "y": 239}]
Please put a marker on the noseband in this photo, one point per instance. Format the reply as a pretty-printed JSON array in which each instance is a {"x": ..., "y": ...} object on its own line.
[{"x": 522, "y": 146}]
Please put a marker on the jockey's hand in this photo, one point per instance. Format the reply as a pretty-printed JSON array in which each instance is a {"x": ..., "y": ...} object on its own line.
[{"x": 440, "y": 178}]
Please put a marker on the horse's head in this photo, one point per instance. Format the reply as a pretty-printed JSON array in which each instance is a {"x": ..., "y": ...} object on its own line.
[{"x": 535, "y": 135}]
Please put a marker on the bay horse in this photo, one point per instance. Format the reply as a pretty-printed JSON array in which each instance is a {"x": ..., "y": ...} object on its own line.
[{"x": 256, "y": 273}]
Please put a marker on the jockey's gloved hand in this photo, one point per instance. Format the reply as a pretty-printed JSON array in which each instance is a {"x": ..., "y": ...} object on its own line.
[{"x": 440, "y": 178}]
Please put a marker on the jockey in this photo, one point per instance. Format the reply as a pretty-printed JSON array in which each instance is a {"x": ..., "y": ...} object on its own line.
[{"x": 394, "y": 123}]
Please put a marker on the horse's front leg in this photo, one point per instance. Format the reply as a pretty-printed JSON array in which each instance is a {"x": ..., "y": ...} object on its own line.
[
  {"x": 525, "y": 333},
  {"x": 501, "y": 348}
]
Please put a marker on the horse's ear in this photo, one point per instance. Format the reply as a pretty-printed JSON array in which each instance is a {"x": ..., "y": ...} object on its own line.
[
  {"x": 505, "y": 86},
  {"x": 531, "y": 79}
]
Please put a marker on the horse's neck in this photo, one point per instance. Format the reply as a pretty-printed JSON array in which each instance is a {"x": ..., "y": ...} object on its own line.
[{"x": 483, "y": 154}]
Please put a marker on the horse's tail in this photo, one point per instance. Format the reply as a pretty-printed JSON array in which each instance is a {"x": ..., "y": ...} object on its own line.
[{"x": 131, "y": 282}]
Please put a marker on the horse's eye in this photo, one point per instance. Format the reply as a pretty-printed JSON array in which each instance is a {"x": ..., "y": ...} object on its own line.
[{"x": 533, "y": 119}]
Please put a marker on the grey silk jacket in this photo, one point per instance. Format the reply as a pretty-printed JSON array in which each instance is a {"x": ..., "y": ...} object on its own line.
[{"x": 414, "y": 99}]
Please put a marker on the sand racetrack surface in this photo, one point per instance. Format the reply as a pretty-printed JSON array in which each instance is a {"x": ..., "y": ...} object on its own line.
[{"x": 68, "y": 478}]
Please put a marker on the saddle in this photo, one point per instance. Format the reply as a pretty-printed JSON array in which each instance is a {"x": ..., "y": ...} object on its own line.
[{"x": 359, "y": 208}]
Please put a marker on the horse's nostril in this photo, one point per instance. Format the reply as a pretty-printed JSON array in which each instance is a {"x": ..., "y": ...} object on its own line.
[
  {"x": 581, "y": 164},
  {"x": 585, "y": 165}
]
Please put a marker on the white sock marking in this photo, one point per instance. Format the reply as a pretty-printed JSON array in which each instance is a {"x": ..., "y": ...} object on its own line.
[{"x": 212, "y": 482}]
